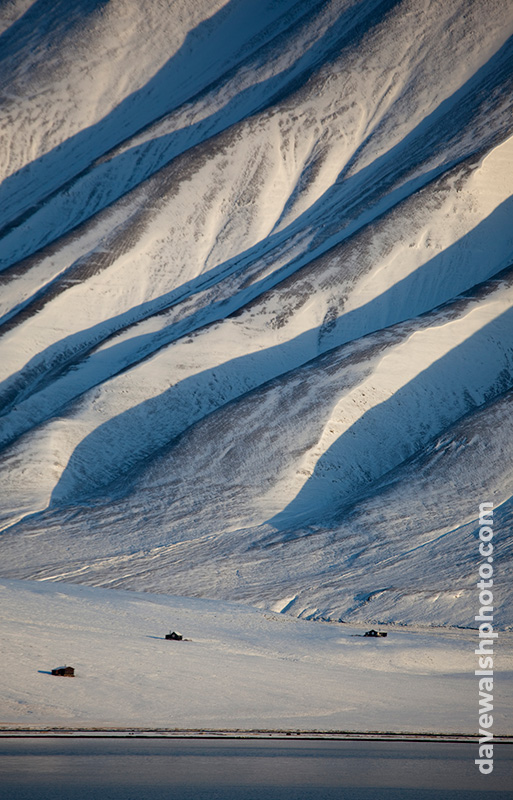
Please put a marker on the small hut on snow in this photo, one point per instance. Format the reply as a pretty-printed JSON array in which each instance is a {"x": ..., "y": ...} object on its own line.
[{"x": 67, "y": 672}]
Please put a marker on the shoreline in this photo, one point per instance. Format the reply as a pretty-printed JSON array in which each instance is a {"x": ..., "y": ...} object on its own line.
[{"x": 193, "y": 733}]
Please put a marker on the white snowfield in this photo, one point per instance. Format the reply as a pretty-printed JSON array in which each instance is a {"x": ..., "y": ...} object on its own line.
[
  {"x": 256, "y": 360},
  {"x": 237, "y": 668}
]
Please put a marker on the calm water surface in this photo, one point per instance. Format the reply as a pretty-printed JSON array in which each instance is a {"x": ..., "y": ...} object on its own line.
[{"x": 213, "y": 769}]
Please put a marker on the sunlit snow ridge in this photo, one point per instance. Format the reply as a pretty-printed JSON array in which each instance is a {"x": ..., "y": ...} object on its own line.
[{"x": 256, "y": 308}]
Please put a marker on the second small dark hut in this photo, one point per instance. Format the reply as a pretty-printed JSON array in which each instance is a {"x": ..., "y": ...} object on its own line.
[{"x": 177, "y": 637}]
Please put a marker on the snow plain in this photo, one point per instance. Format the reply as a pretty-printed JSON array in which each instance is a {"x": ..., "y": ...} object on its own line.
[
  {"x": 243, "y": 668},
  {"x": 256, "y": 346}
]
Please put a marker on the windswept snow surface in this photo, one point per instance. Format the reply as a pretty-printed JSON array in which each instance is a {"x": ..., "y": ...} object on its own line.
[
  {"x": 238, "y": 668},
  {"x": 256, "y": 318}
]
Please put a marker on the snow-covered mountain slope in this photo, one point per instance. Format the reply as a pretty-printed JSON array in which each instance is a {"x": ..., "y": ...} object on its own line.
[{"x": 256, "y": 326}]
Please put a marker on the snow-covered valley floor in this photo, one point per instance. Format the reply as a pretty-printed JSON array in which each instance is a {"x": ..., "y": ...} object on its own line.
[{"x": 242, "y": 668}]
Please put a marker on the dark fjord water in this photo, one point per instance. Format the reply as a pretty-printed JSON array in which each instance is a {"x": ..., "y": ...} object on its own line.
[{"x": 242, "y": 769}]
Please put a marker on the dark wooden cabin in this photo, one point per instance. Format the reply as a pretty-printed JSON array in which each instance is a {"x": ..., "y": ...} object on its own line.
[
  {"x": 177, "y": 637},
  {"x": 67, "y": 672}
]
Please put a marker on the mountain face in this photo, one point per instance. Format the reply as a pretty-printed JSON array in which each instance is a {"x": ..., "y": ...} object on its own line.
[{"x": 256, "y": 308}]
